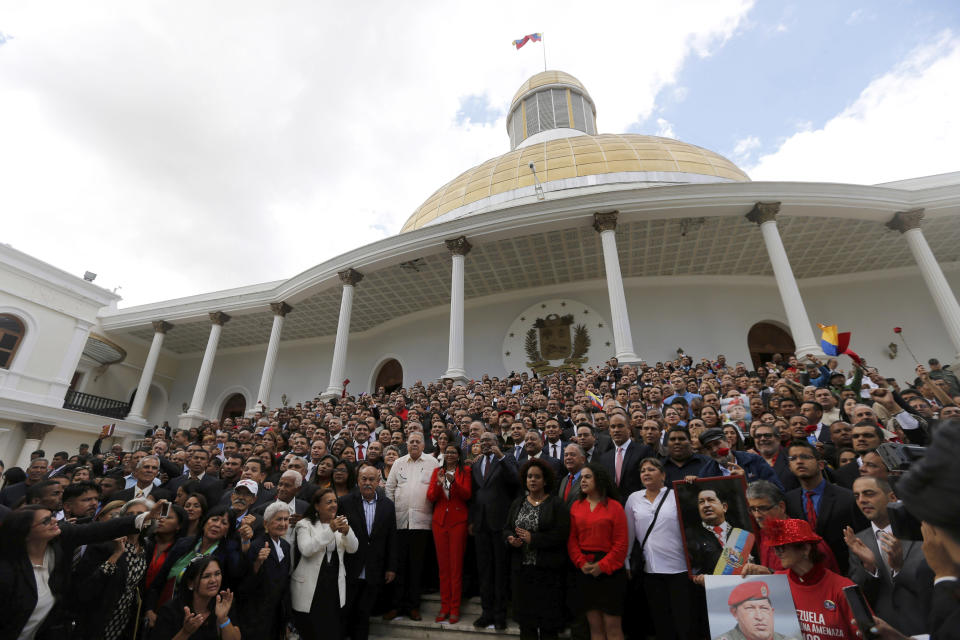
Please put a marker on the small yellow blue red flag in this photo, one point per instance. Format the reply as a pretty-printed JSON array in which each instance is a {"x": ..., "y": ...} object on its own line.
[
  {"x": 835, "y": 343},
  {"x": 594, "y": 400},
  {"x": 533, "y": 37}
]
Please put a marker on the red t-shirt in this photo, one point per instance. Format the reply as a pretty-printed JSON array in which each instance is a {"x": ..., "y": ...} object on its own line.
[
  {"x": 603, "y": 529},
  {"x": 821, "y": 606}
]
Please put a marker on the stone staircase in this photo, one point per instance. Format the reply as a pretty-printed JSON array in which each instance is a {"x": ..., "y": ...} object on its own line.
[{"x": 404, "y": 627}]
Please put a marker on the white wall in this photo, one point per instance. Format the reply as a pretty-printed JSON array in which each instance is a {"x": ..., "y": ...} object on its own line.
[{"x": 703, "y": 319}]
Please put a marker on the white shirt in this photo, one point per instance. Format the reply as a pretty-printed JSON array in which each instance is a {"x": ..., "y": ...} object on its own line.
[
  {"x": 407, "y": 487},
  {"x": 142, "y": 493},
  {"x": 278, "y": 548},
  {"x": 663, "y": 552},
  {"x": 44, "y": 597}
]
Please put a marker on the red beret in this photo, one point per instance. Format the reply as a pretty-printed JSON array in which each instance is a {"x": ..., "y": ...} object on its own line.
[{"x": 752, "y": 590}]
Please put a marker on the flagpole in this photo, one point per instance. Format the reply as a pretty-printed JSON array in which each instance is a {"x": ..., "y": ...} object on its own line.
[{"x": 543, "y": 40}]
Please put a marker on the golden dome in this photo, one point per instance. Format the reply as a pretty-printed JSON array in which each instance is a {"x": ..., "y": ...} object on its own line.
[
  {"x": 573, "y": 157},
  {"x": 544, "y": 78}
]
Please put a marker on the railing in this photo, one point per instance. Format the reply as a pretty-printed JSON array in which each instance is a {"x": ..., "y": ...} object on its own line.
[{"x": 87, "y": 403}]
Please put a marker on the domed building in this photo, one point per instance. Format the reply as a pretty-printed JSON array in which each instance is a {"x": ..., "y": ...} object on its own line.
[{"x": 571, "y": 247}]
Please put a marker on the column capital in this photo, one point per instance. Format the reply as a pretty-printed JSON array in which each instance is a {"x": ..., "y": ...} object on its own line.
[
  {"x": 350, "y": 277},
  {"x": 764, "y": 212},
  {"x": 280, "y": 309},
  {"x": 161, "y": 326},
  {"x": 219, "y": 317},
  {"x": 904, "y": 221},
  {"x": 458, "y": 246},
  {"x": 36, "y": 430},
  {"x": 605, "y": 221}
]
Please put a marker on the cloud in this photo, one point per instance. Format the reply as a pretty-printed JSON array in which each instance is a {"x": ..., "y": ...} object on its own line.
[
  {"x": 4, "y": 38},
  {"x": 744, "y": 148},
  {"x": 665, "y": 128},
  {"x": 175, "y": 150},
  {"x": 904, "y": 124}
]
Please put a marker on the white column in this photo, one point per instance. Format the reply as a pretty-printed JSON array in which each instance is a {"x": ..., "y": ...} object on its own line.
[
  {"x": 765, "y": 215},
  {"x": 349, "y": 278},
  {"x": 908, "y": 224},
  {"x": 606, "y": 225},
  {"x": 160, "y": 329},
  {"x": 280, "y": 311},
  {"x": 458, "y": 248},
  {"x": 68, "y": 366},
  {"x": 34, "y": 433},
  {"x": 217, "y": 320}
]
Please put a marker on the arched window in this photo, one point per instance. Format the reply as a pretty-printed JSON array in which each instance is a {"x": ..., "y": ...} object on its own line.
[{"x": 11, "y": 335}]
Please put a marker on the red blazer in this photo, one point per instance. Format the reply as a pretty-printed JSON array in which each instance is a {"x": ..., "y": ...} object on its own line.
[{"x": 453, "y": 510}]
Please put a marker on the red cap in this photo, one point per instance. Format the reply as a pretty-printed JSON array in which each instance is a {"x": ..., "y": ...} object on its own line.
[
  {"x": 507, "y": 412},
  {"x": 780, "y": 532},
  {"x": 752, "y": 590}
]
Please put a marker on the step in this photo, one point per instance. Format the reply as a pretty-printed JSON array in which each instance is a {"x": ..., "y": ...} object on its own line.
[
  {"x": 405, "y": 628},
  {"x": 430, "y": 603}
]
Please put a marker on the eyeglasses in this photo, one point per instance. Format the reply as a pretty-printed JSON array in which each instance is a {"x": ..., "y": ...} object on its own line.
[
  {"x": 759, "y": 509},
  {"x": 802, "y": 456},
  {"x": 763, "y": 436},
  {"x": 44, "y": 522}
]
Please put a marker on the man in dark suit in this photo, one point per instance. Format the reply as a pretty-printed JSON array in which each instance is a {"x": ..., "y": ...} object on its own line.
[
  {"x": 287, "y": 487},
  {"x": 592, "y": 442},
  {"x": 263, "y": 595},
  {"x": 623, "y": 461},
  {"x": 766, "y": 440},
  {"x": 496, "y": 481},
  {"x": 533, "y": 448},
  {"x": 147, "y": 469},
  {"x": 374, "y": 521},
  {"x": 827, "y": 507},
  {"x": 553, "y": 444},
  {"x": 866, "y": 436},
  {"x": 893, "y": 573},
  {"x": 197, "y": 460},
  {"x": 569, "y": 486}
]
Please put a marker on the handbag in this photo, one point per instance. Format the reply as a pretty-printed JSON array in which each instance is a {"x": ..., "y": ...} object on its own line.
[{"x": 637, "y": 561}]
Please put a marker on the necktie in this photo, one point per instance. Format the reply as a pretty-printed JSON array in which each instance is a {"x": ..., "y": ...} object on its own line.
[
  {"x": 619, "y": 464},
  {"x": 486, "y": 467},
  {"x": 516, "y": 451},
  {"x": 811, "y": 510},
  {"x": 883, "y": 554},
  {"x": 554, "y": 450},
  {"x": 718, "y": 531},
  {"x": 566, "y": 491},
  {"x": 360, "y": 452},
  {"x": 138, "y": 493}
]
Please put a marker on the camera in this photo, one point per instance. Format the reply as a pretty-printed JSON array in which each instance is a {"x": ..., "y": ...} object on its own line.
[
  {"x": 905, "y": 525},
  {"x": 898, "y": 457}
]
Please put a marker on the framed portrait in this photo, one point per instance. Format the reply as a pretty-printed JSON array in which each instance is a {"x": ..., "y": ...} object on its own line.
[
  {"x": 751, "y": 608},
  {"x": 718, "y": 532}
]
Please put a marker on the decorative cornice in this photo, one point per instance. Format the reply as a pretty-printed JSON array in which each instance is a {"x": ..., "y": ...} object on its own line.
[
  {"x": 161, "y": 326},
  {"x": 904, "y": 221},
  {"x": 605, "y": 221},
  {"x": 350, "y": 277},
  {"x": 280, "y": 309},
  {"x": 36, "y": 430},
  {"x": 458, "y": 246},
  {"x": 764, "y": 212},
  {"x": 219, "y": 317}
]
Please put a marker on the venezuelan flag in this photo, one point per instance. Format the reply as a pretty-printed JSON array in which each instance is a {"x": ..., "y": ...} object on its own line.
[
  {"x": 835, "y": 343},
  {"x": 533, "y": 37},
  {"x": 594, "y": 400}
]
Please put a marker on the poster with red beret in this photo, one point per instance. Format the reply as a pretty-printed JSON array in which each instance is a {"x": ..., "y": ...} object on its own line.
[{"x": 751, "y": 608}]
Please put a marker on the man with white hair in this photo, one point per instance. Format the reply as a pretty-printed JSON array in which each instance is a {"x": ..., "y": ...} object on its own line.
[
  {"x": 287, "y": 488},
  {"x": 144, "y": 486}
]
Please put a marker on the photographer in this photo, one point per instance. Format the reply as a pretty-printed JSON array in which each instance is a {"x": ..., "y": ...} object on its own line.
[{"x": 929, "y": 491}]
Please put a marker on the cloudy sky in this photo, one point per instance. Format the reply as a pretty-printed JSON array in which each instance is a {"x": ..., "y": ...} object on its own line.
[{"x": 182, "y": 147}]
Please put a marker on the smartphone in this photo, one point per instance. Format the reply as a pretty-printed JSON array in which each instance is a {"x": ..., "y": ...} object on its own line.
[
  {"x": 860, "y": 609},
  {"x": 165, "y": 510}
]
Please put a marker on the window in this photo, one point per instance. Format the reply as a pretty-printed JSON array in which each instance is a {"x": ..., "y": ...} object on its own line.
[{"x": 11, "y": 335}]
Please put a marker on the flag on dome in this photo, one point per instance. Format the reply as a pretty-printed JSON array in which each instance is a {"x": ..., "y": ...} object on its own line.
[
  {"x": 594, "y": 400},
  {"x": 834, "y": 343},
  {"x": 533, "y": 37}
]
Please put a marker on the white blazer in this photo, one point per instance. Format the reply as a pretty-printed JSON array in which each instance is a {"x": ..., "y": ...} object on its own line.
[{"x": 313, "y": 541}]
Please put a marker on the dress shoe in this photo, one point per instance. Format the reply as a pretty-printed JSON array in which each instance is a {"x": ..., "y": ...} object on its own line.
[
  {"x": 415, "y": 615},
  {"x": 441, "y": 617},
  {"x": 482, "y": 622},
  {"x": 500, "y": 625},
  {"x": 390, "y": 615}
]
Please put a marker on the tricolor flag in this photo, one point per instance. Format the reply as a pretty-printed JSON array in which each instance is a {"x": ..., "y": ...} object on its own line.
[
  {"x": 107, "y": 430},
  {"x": 834, "y": 343},
  {"x": 595, "y": 400},
  {"x": 533, "y": 37}
]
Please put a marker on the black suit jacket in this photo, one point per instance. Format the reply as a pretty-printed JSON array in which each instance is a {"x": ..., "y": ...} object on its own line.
[
  {"x": 548, "y": 449},
  {"x": 945, "y": 611},
  {"x": 902, "y": 600},
  {"x": 630, "y": 471},
  {"x": 703, "y": 549},
  {"x": 492, "y": 496},
  {"x": 210, "y": 487},
  {"x": 300, "y": 506},
  {"x": 263, "y": 598},
  {"x": 845, "y": 475},
  {"x": 156, "y": 494},
  {"x": 574, "y": 490},
  {"x": 556, "y": 465},
  {"x": 837, "y": 510},
  {"x": 377, "y": 552}
]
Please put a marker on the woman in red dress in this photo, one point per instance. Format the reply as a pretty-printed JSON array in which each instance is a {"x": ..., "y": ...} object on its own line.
[
  {"x": 449, "y": 490},
  {"x": 598, "y": 548},
  {"x": 817, "y": 591}
]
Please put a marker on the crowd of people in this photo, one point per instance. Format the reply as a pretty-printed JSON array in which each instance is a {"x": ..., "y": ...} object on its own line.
[{"x": 548, "y": 497}]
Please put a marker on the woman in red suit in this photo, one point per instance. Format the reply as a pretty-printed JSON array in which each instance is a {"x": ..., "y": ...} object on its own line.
[{"x": 449, "y": 490}]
